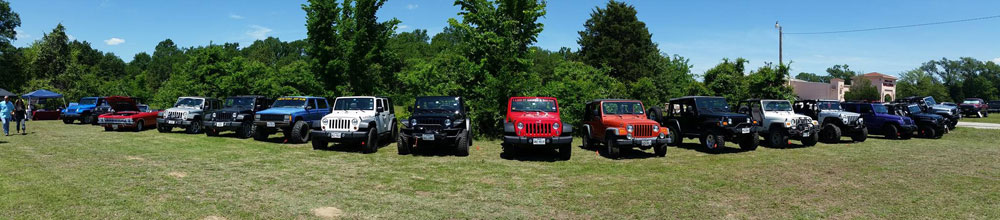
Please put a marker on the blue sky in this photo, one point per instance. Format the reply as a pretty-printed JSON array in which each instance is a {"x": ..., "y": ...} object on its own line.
[{"x": 703, "y": 31}]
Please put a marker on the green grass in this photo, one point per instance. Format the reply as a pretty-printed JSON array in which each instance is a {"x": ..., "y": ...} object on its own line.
[
  {"x": 994, "y": 118},
  {"x": 78, "y": 171}
]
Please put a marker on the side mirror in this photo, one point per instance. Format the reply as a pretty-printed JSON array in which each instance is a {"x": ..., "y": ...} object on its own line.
[
  {"x": 380, "y": 109},
  {"x": 309, "y": 107}
]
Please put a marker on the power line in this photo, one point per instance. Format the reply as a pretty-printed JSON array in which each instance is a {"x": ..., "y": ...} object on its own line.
[{"x": 901, "y": 26}]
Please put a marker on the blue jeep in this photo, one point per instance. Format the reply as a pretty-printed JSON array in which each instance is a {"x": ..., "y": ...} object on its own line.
[
  {"x": 82, "y": 111},
  {"x": 296, "y": 116},
  {"x": 879, "y": 121}
]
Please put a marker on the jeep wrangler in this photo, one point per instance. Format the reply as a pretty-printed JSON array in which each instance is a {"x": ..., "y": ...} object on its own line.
[
  {"x": 994, "y": 106},
  {"x": 236, "y": 114},
  {"x": 708, "y": 119},
  {"x": 975, "y": 106},
  {"x": 834, "y": 121},
  {"x": 437, "y": 120},
  {"x": 880, "y": 122},
  {"x": 621, "y": 124},
  {"x": 534, "y": 122},
  {"x": 928, "y": 105},
  {"x": 928, "y": 125},
  {"x": 187, "y": 113},
  {"x": 779, "y": 123},
  {"x": 367, "y": 120},
  {"x": 296, "y": 116},
  {"x": 82, "y": 111}
]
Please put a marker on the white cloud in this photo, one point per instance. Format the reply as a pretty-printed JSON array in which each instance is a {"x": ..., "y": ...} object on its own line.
[
  {"x": 996, "y": 60},
  {"x": 235, "y": 16},
  {"x": 114, "y": 41},
  {"x": 70, "y": 37},
  {"x": 258, "y": 32},
  {"x": 21, "y": 34},
  {"x": 412, "y": 6},
  {"x": 403, "y": 26}
]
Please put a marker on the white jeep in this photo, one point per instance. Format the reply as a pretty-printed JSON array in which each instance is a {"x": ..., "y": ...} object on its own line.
[
  {"x": 365, "y": 120},
  {"x": 780, "y": 123}
]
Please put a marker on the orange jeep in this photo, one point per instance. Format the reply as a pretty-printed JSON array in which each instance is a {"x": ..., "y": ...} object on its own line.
[{"x": 622, "y": 124}]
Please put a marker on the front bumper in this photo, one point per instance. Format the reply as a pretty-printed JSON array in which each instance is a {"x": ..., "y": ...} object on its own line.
[
  {"x": 742, "y": 129},
  {"x": 907, "y": 128},
  {"x": 641, "y": 142},
  {"x": 273, "y": 124},
  {"x": 339, "y": 136},
  {"x": 803, "y": 130},
  {"x": 69, "y": 115},
  {"x": 172, "y": 122},
  {"x": 223, "y": 125},
  {"x": 117, "y": 125},
  {"x": 530, "y": 141},
  {"x": 435, "y": 136}
]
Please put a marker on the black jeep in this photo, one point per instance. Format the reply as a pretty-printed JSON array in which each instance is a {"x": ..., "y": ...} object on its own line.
[
  {"x": 706, "y": 118},
  {"x": 928, "y": 125},
  {"x": 436, "y": 120},
  {"x": 236, "y": 115}
]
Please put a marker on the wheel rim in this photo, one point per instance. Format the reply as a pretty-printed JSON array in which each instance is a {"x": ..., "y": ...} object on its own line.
[
  {"x": 710, "y": 141},
  {"x": 196, "y": 127},
  {"x": 138, "y": 126}
]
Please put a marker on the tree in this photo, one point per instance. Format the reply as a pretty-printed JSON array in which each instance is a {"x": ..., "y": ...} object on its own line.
[
  {"x": 769, "y": 82},
  {"x": 919, "y": 83},
  {"x": 728, "y": 80},
  {"x": 843, "y": 72},
  {"x": 166, "y": 57},
  {"x": 614, "y": 37},
  {"x": 812, "y": 77},
  {"x": 9, "y": 20},
  {"x": 863, "y": 90}
]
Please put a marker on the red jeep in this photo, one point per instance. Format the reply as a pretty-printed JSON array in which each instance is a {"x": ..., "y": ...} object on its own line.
[
  {"x": 534, "y": 122},
  {"x": 125, "y": 113},
  {"x": 622, "y": 124}
]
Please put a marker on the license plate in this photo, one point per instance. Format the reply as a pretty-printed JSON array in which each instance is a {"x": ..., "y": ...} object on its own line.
[
  {"x": 538, "y": 141},
  {"x": 745, "y": 130},
  {"x": 647, "y": 142},
  {"x": 114, "y": 126},
  {"x": 806, "y": 134},
  {"x": 171, "y": 122},
  {"x": 270, "y": 124},
  {"x": 220, "y": 124},
  {"x": 336, "y": 135},
  {"x": 427, "y": 137}
]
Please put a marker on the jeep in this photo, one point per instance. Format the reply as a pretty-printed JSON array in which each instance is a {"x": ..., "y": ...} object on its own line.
[
  {"x": 880, "y": 122},
  {"x": 187, "y": 113},
  {"x": 534, "y": 122},
  {"x": 126, "y": 114},
  {"x": 236, "y": 114},
  {"x": 622, "y": 124},
  {"x": 994, "y": 106},
  {"x": 708, "y": 119},
  {"x": 928, "y": 125},
  {"x": 928, "y": 105},
  {"x": 975, "y": 106},
  {"x": 437, "y": 120},
  {"x": 82, "y": 111},
  {"x": 779, "y": 123},
  {"x": 367, "y": 120},
  {"x": 296, "y": 116},
  {"x": 833, "y": 120}
]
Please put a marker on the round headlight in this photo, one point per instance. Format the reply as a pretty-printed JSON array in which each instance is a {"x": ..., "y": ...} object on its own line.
[
  {"x": 628, "y": 128},
  {"x": 326, "y": 120},
  {"x": 860, "y": 120},
  {"x": 730, "y": 120},
  {"x": 355, "y": 121},
  {"x": 520, "y": 126},
  {"x": 447, "y": 122},
  {"x": 555, "y": 126},
  {"x": 413, "y": 122},
  {"x": 656, "y": 128},
  {"x": 213, "y": 115},
  {"x": 234, "y": 114}
]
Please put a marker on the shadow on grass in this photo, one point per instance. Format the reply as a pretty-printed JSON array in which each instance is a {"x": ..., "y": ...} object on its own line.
[
  {"x": 631, "y": 153},
  {"x": 698, "y": 147},
  {"x": 3, "y": 142},
  {"x": 532, "y": 154}
]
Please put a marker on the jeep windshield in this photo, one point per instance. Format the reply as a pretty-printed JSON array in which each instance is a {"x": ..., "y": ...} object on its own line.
[
  {"x": 441, "y": 104},
  {"x": 929, "y": 101},
  {"x": 287, "y": 102},
  {"x": 243, "y": 102},
  {"x": 533, "y": 105},
  {"x": 189, "y": 102},
  {"x": 880, "y": 108},
  {"x": 354, "y": 104},
  {"x": 828, "y": 105},
  {"x": 88, "y": 101},
  {"x": 913, "y": 109},
  {"x": 712, "y": 104},
  {"x": 777, "y": 106},
  {"x": 622, "y": 108}
]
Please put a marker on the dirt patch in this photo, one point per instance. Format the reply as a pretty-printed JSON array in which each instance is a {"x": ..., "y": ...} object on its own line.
[
  {"x": 214, "y": 218},
  {"x": 423, "y": 193},
  {"x": 134, "y": 158},
  {"x": 327, "y": 212},
  {"x": 178, "y": 174}
]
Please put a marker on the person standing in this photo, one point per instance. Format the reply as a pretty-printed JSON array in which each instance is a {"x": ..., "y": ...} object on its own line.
[
  {"x": 20, "y": 116},
  {"x": 5, "y": 108}
]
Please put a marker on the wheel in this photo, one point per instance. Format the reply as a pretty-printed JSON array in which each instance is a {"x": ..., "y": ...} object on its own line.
[
  {"x": 299, "y": 133},
  {"x": 711, "y": 141},
  {"x": 830, "y": 133},
  {"x": 211, "y": 132},
  {"x": 319, "y": 144},
  {"x": 86, "y": 119},
  {"x": 246, "y": 130},
  {"x": 860, "y": 136},
  {"x": 395, "y": 131},
  {"x": 675, "y": 137},
  {"x": 587, "y": 142},
  {"x": 749, "y": 142},
  {"x": 613, "y": 151},
  {"x": 905, "y": 135},
  {"x": 194, "y": 128},
  {"x": 402, "y": 147},
  {"x": 140, "y": 125},
  {"x": 163, "y": 129},
  {"x": 891, "y": 132},
  {"x": 509, "y": 151},
  {"x": 777, "y": 138},
  {"x": 927, "y": 132},
  {"x": 811, "y": 140},
  {"x": 660, "y": 150},
  {"x": 371, "y": 145},
  {"x": 565, "y": 151},
  {"x": 261, "y": 135},
  {"x": 462, "y": 149},
  {"x": 952, "y": 125},
  {"x": 108, "y": 129},
  {"x": 67, "y": 121}
]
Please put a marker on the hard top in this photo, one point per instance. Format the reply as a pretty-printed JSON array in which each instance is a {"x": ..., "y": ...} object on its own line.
[
  {"x": 441, "y": 96},
  {"x": 532, "y": 97},
  {"x": 195, "y": 97},
  {"x": 248, "y": 96},
  {"x": 305, "y": 97},
  {"x": 352, "y": 97},
  {"x": 818, "y": 100},
  {"x": 694, "y": 97},
  {"x": 759, "y": 100},
  {"x": 612, "y": 100}
]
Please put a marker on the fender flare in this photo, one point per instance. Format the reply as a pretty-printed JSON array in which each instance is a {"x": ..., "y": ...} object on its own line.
[
  {"x": 673, "y": 123},
  {"x": 508, "y": 128},
  {"x": 586, "y": 131},
  {"x": 567, "y": 130}
]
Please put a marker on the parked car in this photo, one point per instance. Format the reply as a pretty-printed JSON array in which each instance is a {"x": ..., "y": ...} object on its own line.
[
  {"x": 82, "y": 111},
  {"x": 879, "y": 121},
  {"x": 708, "y": 119},
  {"x": 126, "y": 115},
  {"x": 994, "y": 106},
  {"x": 621, "y": 124},
  {"x": 928, "y": 125},
  {"x": 534, "y": 122},
  {"x": 236, "y": 114},
  {"x": 779, "y": 123},
  {"x": 296, "y": 116},
  {"x": 437, "y": 120},
  {"x": 367, "y": 120},
  {"x": 928, "y": 105},
  {"x": 188, "y": 113},
  {"x": 834, "y": 121},
  {"x": 975, "y": 106}
]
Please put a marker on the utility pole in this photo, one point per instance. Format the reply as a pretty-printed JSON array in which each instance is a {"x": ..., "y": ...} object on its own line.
[{"x": 780, "y": 39}]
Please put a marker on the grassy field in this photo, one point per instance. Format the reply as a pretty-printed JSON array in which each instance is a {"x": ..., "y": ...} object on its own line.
[
  {"x": 994, "y": 118},
  {"x": 79, "y": 171}
]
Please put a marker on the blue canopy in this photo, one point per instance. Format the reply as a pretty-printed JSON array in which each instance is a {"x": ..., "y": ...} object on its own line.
[{"x": 42, "y": 94}]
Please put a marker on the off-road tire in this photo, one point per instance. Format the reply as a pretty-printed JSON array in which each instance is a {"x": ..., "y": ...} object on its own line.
[
  {"x": 588, "y": 143},
  {"x": 891, "y": 132},
  {"x": 906, "y": 136},
  {"x": 565, "y": 151},
  {"x": 660, "y": 150},
  {"x": 211, "y": 132},
  {"x": 395, "y": 132},
  {"x": 927, "y": 131},
  {"x": 194, "y": 128},
  {"x": 611, "y": 150},
  {"x": 777, "y": 138},
  {"x": 951, "y": 126},
  {"x": 108, "y": 129},
  {"x": 402, "y": 147},
  {"x": 811, "y": 140},
  {"x": 163, "y": 129},
  {"x": 299, "y": 133},
  {"x": 830, "y": 133},
  {"x": 860, "y": 136},
  {"x": 67, "y": 121},
  {"x": 319, "y": 144},
  {"x": 462, "y": 147},
  {"x": 749, "y": 142},
  {"x": 86, "y": 119},
  {"x": 371, "y": 145},
  {"x": 675, "y": 136},
  {"x": 261, "y": 135},
  {"x": 246, "y": 130},
  {"x": 711, "y": 141}
]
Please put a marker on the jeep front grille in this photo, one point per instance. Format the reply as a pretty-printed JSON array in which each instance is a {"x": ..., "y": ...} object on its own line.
[
  {"x": 538, "y": 128},
  {"x": 223, "y": 116},
  {"x": 175, "y": 115},
  {"x": 430, "y": 121},
  {"x": 339, "y": 124},
  {"x": 272, "y": 117},
  {"x": 852, "y": 119},
  {"x": 642, "y": 131}
]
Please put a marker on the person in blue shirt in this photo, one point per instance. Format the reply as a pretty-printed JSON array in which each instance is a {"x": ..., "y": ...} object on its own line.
[{"x": 6, "y": 107}]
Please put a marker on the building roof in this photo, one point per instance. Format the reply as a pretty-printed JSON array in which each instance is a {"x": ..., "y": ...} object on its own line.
[{"x": 876, "y": 74}]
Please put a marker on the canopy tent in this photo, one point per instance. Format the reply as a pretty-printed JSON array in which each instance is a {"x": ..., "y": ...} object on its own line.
[
  {"x": 38, "y": 96},
  {"x": 4, "y": 92}
]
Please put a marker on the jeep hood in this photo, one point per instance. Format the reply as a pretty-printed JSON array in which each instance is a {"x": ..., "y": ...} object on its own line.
[
  {"x": 351, "y": 114},
  {"x": 840, "y": 113},
  {"x": 282, "y": 111},
  {"x": 233, "y": 109},
  {"x": 627, "y": 119},
  {"x": 433, "y": 115},
  {"x": 724, "y": 114},
  {"x": 189, "y": 110},
  {"x": 534, "y": 116}
]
